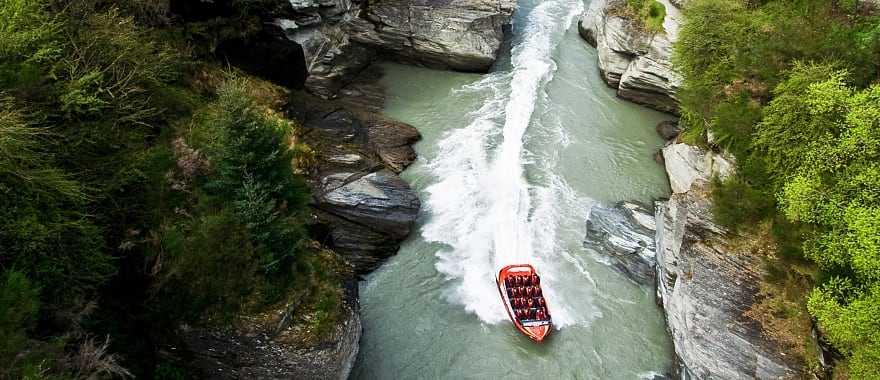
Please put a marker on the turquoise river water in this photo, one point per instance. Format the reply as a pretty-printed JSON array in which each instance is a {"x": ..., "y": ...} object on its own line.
[{"x": 509, "y": 167}]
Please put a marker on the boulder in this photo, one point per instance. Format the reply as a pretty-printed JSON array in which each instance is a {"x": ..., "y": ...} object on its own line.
[
  {"x": 624, "y": 233},
  {"x": 461, "y": 35},
  {"x": 636, "y": 62},
  {"x": 380, "y": 200},
  {"x": 668, "y": 129}
]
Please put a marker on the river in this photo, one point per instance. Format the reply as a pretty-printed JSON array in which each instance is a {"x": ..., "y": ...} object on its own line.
[{"x": 509, "y": 167}]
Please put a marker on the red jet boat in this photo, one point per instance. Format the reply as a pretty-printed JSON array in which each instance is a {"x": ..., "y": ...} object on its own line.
[{"x": 520, "y": 289}]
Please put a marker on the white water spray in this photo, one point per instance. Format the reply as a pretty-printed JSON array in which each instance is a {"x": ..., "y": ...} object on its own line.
[{"x": 480, "y": 208}]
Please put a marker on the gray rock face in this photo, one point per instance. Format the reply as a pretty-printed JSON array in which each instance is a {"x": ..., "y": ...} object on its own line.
[
  {"x": 363, "y": 210},
  {"x": 379, "y": 199},
  {"x": 686, "y": 164},
  {"x": 624, "y": 233},
  {"x": 704, "y": 286},
  {"x": 455, "y": 34},
  {"x": 342, "y": 37},
  {"x": 632, "y": 60},
  {"x": 705, "y": 289}
]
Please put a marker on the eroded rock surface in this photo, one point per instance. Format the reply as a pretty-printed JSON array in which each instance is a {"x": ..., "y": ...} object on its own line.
[
  {"x": 625, "y": 233},
  {"x": 455, "y": 34},
  {"x": 362, "y": 208},
  {"x": 342, "y": 37},
  {"x": 705, "y": 284},
  {"x": 631, "y": 59},
  {"x": 687, "y": 164}
]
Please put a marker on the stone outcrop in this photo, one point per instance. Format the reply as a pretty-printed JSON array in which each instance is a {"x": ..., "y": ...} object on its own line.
[
  {"x": 363, "y": 210},
  {"x": 632, "y": 60},
  {"x": 704, "y": 284},
  {"x": 341, "y": 37},
  {"x": 624, "y": 233},
  {"x": 461, "y": 35},
  {"x": 686, "y": 165}
]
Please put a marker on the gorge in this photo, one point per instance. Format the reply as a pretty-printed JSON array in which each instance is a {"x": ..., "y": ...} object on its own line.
[{"x": 325, "y": 189}]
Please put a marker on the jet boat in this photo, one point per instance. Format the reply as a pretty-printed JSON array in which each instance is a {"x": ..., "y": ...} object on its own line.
[{"x": 520, "y": 289}]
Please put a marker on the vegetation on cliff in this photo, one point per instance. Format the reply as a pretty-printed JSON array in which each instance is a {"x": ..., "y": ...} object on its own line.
[
  {"x": 140, "y": 187},
  {"x": 791, "y": 89}
]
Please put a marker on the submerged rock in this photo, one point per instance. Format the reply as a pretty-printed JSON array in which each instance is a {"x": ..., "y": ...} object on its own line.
[
  {"x": 624, "y": 233},
  {"x": 636, "y": 62}
]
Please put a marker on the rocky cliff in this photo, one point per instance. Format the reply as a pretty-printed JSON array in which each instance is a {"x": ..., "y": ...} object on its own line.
[
  {"x": 632, "y": 60},
  {"x": 363, "y": 210},
  {"x": 341, "y": 37},
  {"x": 705, "y": 283}
]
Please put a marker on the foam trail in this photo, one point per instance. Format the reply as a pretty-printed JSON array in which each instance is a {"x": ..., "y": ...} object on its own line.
[{"x": 480, "y": 206}]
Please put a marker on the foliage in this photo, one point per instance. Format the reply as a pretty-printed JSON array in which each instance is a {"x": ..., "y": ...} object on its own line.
[
  {"x": 807, "y": 151},
  {"x": 110, "y": 224},
  {"x": 19, "y": 304},
  {"x": 648, "y": 13}
]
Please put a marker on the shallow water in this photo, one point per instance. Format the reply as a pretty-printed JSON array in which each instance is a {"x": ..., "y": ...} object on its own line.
[{"x": 509, "y": 166}]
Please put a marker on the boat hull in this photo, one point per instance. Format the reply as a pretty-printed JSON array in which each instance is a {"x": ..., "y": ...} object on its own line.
[{"x": 536, "y": 330}]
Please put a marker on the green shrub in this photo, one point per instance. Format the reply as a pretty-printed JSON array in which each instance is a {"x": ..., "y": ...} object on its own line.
[
  {"x": 253, "y": 164},
  {"x": 19, "y": 304}
]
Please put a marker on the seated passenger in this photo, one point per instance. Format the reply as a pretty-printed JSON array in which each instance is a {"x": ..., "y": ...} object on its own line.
[
  {"x": 530, "y": 303},
  {"x": 538, "y": 291},
  {"x": 541, "y": 302},
  {"x": 536, "y": 280}
]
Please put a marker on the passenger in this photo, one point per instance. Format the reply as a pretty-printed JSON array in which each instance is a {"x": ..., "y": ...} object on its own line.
[
  {"x": 530, "y": 303},
  {"x": 517, "y": 280},
  {"x": 538, "y": 291},
  {"x": 536, "y": 280},
  {"x": 540, "y": 315},
  {"x": 541, "y": 302}
]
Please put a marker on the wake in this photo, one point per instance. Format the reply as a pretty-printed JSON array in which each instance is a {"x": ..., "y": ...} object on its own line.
[{"x": 480, "y": 208}]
